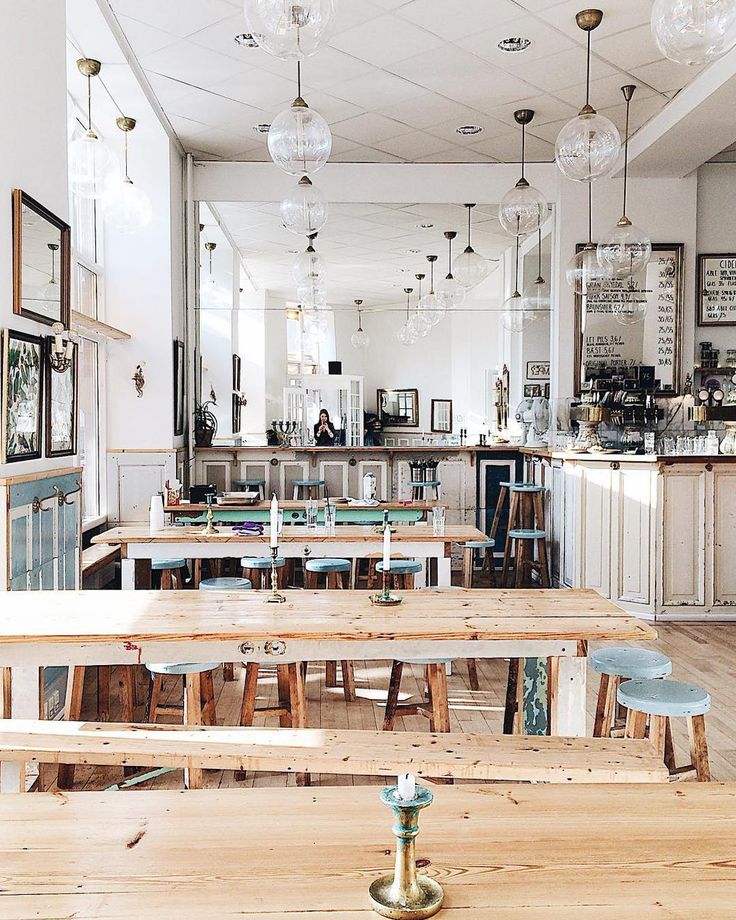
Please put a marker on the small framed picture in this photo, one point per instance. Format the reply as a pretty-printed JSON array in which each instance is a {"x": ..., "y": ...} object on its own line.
[
  {"x": 61, "y": 409},
  {"x": 442, "y": 416},
  {"x": 537, "y": 370},
  {"x": 178, "y": 387},
  {"x": 531, "y": 390},
  {"x": 22, "y": 396}
]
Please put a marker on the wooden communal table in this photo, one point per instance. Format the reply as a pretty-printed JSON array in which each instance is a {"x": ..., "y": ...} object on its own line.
[
  {"x": 294, "y": 511},
  {"x": 502, "y": 852},
  {"x": 350, "y": 541}
]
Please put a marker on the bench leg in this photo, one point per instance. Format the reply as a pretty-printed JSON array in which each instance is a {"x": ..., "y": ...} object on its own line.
[
  {"x": 568, "y": 682},
  {"x": 437, "y": 681},
  {"x": 103, "y": 692},
  {"x": 467, "y": 567},
  {"x": 228, "y": 671},
  {"x": 73, "y": 713},
  {"x": 193, "y": 716},
  {"x": 298, "y": 706},
  {"x": 473, "y": 674},
  {"x": 512, "y": 696},
  {"x": 248, "y": 706},
  {"x": 348, "y": 680}
]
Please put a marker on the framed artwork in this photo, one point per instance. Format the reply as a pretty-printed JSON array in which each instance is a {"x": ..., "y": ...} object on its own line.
[
  {"x": 22, "y": 396},
  {"x": 398, "y": 408},
  {"x": 537, "y": 370},
  {"x": 716, "y": 291},
  {"x": 61, "y": 408},
  {"x": 41, "y": 262},
  {"x": 531, "y": 390},
  {"x": 602, "y": 341},
  {"x": 178, "y": 387},
  {"x": 441, "y": 416}
]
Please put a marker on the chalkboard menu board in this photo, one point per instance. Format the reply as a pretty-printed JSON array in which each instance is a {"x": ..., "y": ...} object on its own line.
[
  {"x": 603, "y": 341},
  {"x": 717, "y": 290}
]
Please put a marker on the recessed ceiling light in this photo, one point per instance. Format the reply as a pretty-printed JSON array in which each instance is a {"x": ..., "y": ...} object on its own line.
[
  {"x": 514, "y": 45},
  {"x": 424, "y": 226},
  {"x": 468, "y": 129},
  {"x": 246, "y": 40},
  {"x": 292, "y": 252},
  {"x": 262, "y": 128},
  {"x": 413, "y": 252}
]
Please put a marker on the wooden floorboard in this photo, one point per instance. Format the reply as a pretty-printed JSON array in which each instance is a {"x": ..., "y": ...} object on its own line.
[{"x": 701, "y": 653}]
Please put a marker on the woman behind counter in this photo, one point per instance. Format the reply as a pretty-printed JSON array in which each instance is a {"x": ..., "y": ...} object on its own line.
[{"x": 324, "y": 432}]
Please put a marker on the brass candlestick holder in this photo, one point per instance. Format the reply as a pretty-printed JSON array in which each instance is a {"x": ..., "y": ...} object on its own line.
[
  {"x": 275, "y": 597},
  {"x": 210, "y": 528},
  {"x": 385, "y": 598},
  {"x": 405, "y": 895}
]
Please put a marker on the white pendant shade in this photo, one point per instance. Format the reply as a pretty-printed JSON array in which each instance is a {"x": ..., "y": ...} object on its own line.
[
  {"x": 587, "y": 147},
  {"x": 92, "y": 166},
  {"x": 304, "y": 210},
  {"x": 694, "y": 31},
  {"x": 292, "y": 29},
  {"x": 299, "y": 140}
]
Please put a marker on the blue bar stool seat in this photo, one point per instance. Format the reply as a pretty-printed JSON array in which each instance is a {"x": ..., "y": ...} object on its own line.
[
  {"x": 652, "y": 704},
  {"x": 258, "y": 570},
  {"x": 485, "y": 547},
  {"x": 307, "y": 488},
  {"x": 616, "y": 665},
  {"x": 172, "y": 572},
  {"x": 401, "y": 573},
  {"x": 334, "y": 571},
  {"x": 225, "y": 583}
]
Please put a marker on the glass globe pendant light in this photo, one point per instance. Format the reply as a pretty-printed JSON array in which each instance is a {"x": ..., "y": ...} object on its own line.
[
  {"x": 304, "y": 210},
  {"x": 91, "y": 163},
  {"x": 289, "y": 29},
  {"x": 360, "y": 338},
  {"x": 126, "y": 206},
  {"x": 408, "y": 334},
  {"x": 584, "y": 273},
  {"x": 421, "y": 322},
  {"x": 694, "y": 31},
  {"x": 524, "y": 208},
  {"x": 211, "y": 295},
  {"x": 630, "y": 307},
  {"x": 625, "y": 249},
  {"x": 450, "y": 293},
  {"x": 470, "y": 268},
  {"x": 588, "y": 145},
  {"x": 51, "y": 291},
  {"x": 515, "y": 317},
  {"x": 428, "y": 304},
  {"x": 536, "y": 296},
  {"x": 299, "y": 139},
  {"x": 309, "y": 266}
]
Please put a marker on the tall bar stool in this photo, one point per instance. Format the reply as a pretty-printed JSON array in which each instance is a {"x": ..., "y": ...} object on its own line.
[
  {"x": 334, "y": 571},
  {"x": 257, "y": 569},
  {"x": 248, "y": 485},
  {"x": 658, "y": 702},
  {"x": 525, "y": 534},
  {"x": 226, "y": 583},
  {"x": 616, "y": 665},
  {"x": 172, "y": 572},
  {"x": 307, "y": 488},
  {"x": 503, "y": 492},
  {"x": 469, "y": 550}
]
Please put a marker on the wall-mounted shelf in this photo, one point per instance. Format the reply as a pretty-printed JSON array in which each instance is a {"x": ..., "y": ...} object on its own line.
[
  {"x": 715, "y": 370},
  {"x": 712, "y": 413},
  {"x": 80, "y": 321}
]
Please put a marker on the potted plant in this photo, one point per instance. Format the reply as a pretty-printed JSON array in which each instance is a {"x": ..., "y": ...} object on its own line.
[{"x": 205, "y": 424}]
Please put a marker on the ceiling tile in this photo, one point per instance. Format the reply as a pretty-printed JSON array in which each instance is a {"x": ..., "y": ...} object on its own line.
[
  {"x": 506, "y": 148},
  {"x": 192, "y": 63},
  {"x": 413, "y": 145},
  {"x": 559, "y": 71},
  {"x": 665, "y": 76},
  {"x": 457, "y": 155},
  {"x": 455, "y": 20},
  {"x": 617, "y": 16},
  {"x": 180, "y": 17},
  {"x": 432, "y": 109},
  {"x": 368, "y": 128},
  {"x": 220, "y": 37},
  {"x": 249, "y": 87},
  {"x": 546, "y": 108},
  {"x": 331, "y": 66},
  {"x": 545, "y": 41},
  {"x": 606, "y": 92},
  {"x": 145, "y": 39},
  {"x": 448, "y": 130},
  {"x": 215, "y": 110},
  {"x": 380, "y": 90},
  {"x": 366, "y": 155},
  {"x": 329, "y": 107},
  {"x": 629, "y": 49},
  {"x": 386, "y": 39},
  {"x": 168, "y": 90}
]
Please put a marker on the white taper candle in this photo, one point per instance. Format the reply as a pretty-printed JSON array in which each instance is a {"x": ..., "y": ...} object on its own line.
[{"x": 274, "y": 521}]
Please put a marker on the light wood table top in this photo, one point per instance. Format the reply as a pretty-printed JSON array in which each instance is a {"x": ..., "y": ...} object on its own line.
[
  {"x": 501, "y": 852},
  {"x": 430, "y": 614},
  {"x": 294, "y": 533}
]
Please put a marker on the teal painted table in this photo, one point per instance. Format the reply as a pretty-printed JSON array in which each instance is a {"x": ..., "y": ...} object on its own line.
[{"x": 294, "y": 513}]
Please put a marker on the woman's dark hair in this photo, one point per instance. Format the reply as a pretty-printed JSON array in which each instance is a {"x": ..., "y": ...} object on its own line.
[{"x": 325, "y": 412}]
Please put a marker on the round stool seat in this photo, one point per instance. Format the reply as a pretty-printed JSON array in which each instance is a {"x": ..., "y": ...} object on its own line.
[
  {"x": 186, "y": 668},
  {"x": 479, "y": 544},
  {"x": 249, "y": 482},
  {"x": 526, "y": 534},
  {"x": 159, "y": 564},
  {"x": 261, "y": 562},
  {"x": 309, "y": 482},
  {"x": 426, "y": 660},
  {"x": 526, "y": 487},
  {"x": 225, "y": 583},
  {"x": 631, "y": 663},
  {"x": 507, "y": 485},
  {"x": 326, "y": 566},
  {"x": 401, "y": 567},
  {"x": 664, "y": 697},
  {"x": 428, "y": 482}
]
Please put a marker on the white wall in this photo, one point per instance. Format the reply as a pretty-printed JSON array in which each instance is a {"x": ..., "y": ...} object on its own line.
[
  {"x": 717, "y": 233},
  {"x": 33, "y": 149}
]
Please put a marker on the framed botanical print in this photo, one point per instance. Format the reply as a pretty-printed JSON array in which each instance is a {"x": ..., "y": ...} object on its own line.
[
  {"x": 41, "y": 262},
  {"x": 178, "y": 387},
  {"x": 22, "y": 396},
  {"x": 441, "y": 416},
  {"x": 61, "y": 409}
]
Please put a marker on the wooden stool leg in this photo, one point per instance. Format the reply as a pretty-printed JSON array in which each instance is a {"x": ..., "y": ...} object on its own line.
[
  {"x": 330, "y": 674},
  {"x": 669, "y": 748},
  {"x": 348, "y": 680},
  {"x": 298, "y": 706},
  {"x": 467, "y": 567},
  {"x": 657, "y": 730},
  {"x": 543, "y": 563},
  {"x": 491, "y": 567},
  {"x": 166, "y": 580},
  {"x": 437, "y": 680},
  {"x": 103, "y": 692},
  {"x": 512, "y": 695},
  {"x": 636, "y": 724},
  {"x": 601, "y": 708},
  {"x": 699, "y": 748},
  {"x": 282, "y": 678},
  {"x": 392, "y": 697},
  {"x": 502, "y": 493},
  {"x": 73, "y": 712},
  {"x": 473, "y": 674},
  {"x": 154, "y": 696},
  {"x": 248, "y": 705},
  {"x": 209, "y": 715},
  {"x": 193, "y": 716}
]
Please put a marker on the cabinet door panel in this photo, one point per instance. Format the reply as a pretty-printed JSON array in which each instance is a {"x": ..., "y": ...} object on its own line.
[
  {"x": 683, "y": 537},
  {"x": 724, "y": 536},
  {"x": 595, "y": 570},
  {"x": 570, "y": 526},
  {"x": 634, "y": 535}
]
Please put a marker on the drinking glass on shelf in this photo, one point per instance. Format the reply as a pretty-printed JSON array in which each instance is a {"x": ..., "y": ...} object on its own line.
[
  {"x": 438, "y": 521},
  {"x": 330, "y": 515},
  {"x": 311, "y": 510}
]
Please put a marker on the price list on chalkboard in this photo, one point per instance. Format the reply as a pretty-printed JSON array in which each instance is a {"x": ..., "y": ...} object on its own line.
[
  {"x": 717, "y": 290},
  {"x": 665, "y": 272}
]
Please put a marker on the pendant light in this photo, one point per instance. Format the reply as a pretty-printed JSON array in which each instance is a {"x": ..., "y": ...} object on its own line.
[
  {"x": 470, "y": 268},
  {"x": 421, "y": 322},
  {"x": 625, "y": 249},
  {"x": 584, "y": 272},
  {"x": 524, "y": 208},
  {"x": 360, "y": 338},
  {"x": 304, "y": 210},
  {"x": 408, "y": 335},
  {"x": 126, "y": 206},
  {"x": 315, "y": 321},
  {"x": 588, "y": 145},
  {"x": 450, "y": 293},
  {"x": 309, "y": 266},
  {"x": 311, "y": 294},
  {"x": 211, "y": 295},
  {"x": 290, "y": 28},
  {"x": 694, "y": 31},
  {"x": 630, "y": 307},
  {"x": 91, "y": 163},
  {"x": 51, "y": 291},
  {"x": 429, "y": 305},
  {"x": 515, "y": 318},
  {"x": 299, "y": 139},
  {"x": 537, "y": 298}
]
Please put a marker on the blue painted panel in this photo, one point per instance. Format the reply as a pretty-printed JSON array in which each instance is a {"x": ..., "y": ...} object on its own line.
[
  {"x": 19, "y": 561},
  {"x": 344, "y": 516},
  {"x": 23, "y": 493},
  {"x": 47, "y": 576},
  {"x": 494, "y": 475}
]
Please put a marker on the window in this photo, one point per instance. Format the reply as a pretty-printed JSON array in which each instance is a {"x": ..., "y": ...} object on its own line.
[{"x": 89, "y": 428}]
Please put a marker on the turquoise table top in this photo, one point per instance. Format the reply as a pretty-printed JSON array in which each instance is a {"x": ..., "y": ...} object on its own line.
[{"x": 345, "y": 515}]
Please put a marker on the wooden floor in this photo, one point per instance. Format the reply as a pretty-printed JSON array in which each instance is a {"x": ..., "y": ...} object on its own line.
[{"x": 702, "y": 654}]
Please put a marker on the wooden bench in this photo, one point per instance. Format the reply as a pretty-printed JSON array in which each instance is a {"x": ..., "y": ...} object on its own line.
[
  {"x": 95, "y": 559},
  {"x": 365, "y": 753}
]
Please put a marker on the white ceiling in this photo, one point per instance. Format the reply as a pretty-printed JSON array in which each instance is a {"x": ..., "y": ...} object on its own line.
[
  {"x": 399, "y": 76},
  {"x": 372, "y": 251}
]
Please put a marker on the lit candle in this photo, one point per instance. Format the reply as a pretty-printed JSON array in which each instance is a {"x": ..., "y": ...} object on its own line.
[
  {"x": 274, "y": 521},
  {"x": 387, "y": 549},
  {"x": 407, "y": 787}
]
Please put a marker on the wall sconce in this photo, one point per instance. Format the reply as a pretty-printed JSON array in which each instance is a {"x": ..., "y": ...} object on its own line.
[
  {"x": 139, "y": 380},
  {"x": 61, "y": 350},
  {"x": 240, "y": 399}
]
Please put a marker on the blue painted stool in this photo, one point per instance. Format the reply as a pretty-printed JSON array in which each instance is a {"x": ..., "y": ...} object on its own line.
[
  {"x": 226, "y": 583},
  {"x": 418, "y": 489},
  {"x": 311, "y": 488},
  {"x": 258, "y": 570},
  {"x": 401, "y": 573},
  {"x": 248, "y": 485},
  {"x": 171, "y": 572},
  {"x": 658, "y": 702},
  {"x": 469, "y": 550},
  {"x": 616, "y": 665},
  {"x": 334, "y": 571}
]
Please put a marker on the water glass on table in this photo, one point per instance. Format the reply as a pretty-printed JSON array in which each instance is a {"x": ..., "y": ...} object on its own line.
[
  {"x": 311, "y": 509},
  {"x": 330, "y": 518},
  {"x": 438, "y": 521}
]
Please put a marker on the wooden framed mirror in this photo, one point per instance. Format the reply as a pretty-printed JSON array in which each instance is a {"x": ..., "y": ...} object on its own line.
[
  {"x": 441, "y": 416},
  {"x": 398, "y": 408},
  {"x": 41, "y": 262}
]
